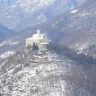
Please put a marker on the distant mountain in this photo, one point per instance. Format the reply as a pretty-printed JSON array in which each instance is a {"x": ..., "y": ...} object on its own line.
[
  {"x": 4, "y": 32},
  {"x": 22, "y": 14},
  {"x": 75, "y": 29},
  {"x": 6, "y": 3}
]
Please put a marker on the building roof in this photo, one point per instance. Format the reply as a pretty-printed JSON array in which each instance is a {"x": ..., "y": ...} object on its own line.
[{"x": 44, "y": 43}]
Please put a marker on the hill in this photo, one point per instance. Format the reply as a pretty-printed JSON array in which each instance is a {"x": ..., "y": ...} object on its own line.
[{"x": 29, "y": 72}]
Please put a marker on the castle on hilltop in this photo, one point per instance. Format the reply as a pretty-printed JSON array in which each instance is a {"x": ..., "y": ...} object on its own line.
[{"x": 41, "y": 40}]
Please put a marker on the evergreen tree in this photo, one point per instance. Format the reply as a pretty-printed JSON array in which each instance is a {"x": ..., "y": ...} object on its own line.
[{"x": 35, "y": 47}]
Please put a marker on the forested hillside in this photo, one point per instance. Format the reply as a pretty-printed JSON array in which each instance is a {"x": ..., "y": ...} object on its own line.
[{"x": 55, "y": 71}]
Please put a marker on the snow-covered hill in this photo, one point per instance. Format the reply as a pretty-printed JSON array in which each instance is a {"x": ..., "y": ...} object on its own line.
[
  {"x": 25, "y": 13},
  {"x": 35, "y": 73}
]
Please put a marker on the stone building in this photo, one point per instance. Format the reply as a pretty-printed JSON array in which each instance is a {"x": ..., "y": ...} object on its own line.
[{"x": 39, "y": 39}]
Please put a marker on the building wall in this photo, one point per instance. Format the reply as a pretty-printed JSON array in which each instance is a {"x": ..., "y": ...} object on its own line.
[
  {"x": 28, "y": 42},
  {"x": 41, "y": 46},
  {"x": 37, "y": 39}
]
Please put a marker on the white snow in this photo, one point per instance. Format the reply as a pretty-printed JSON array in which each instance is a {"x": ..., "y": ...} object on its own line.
[
  {"x": 37, "y": 76},
  {"x": 6, "y": 54},
  {"x": 9, "y": 42},
  {"x": 13, "y": 43},
  {"x": 2, "y": 43},
  {"x": 74, "y": 11},
  {"x": 40, "y": 79}
]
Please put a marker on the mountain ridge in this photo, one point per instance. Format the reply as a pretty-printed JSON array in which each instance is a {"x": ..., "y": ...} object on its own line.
[
  {"x": 22, "y": 12},
  {"x": 75, "y": 29}
]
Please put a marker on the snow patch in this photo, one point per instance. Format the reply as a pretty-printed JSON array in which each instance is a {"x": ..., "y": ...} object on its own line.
[
  {"x": 9, "y": 42},
  {"x": 74, "y": 11},
  {"x": 2, "y": 43},
  {"x": 14, "y": 43},
  {"x": 6, "y": 54}
]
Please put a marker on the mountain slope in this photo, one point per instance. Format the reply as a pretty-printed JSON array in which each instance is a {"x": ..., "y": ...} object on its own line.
[
  {"x": 52, "y": 74},
  {"x": 4, "y": 32},
  {"x": 78, "y": 27},
  {"x": 6, "y": 3},
  {"x": 75, "y": 29},
  {"x": 26, "y": 13}
]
